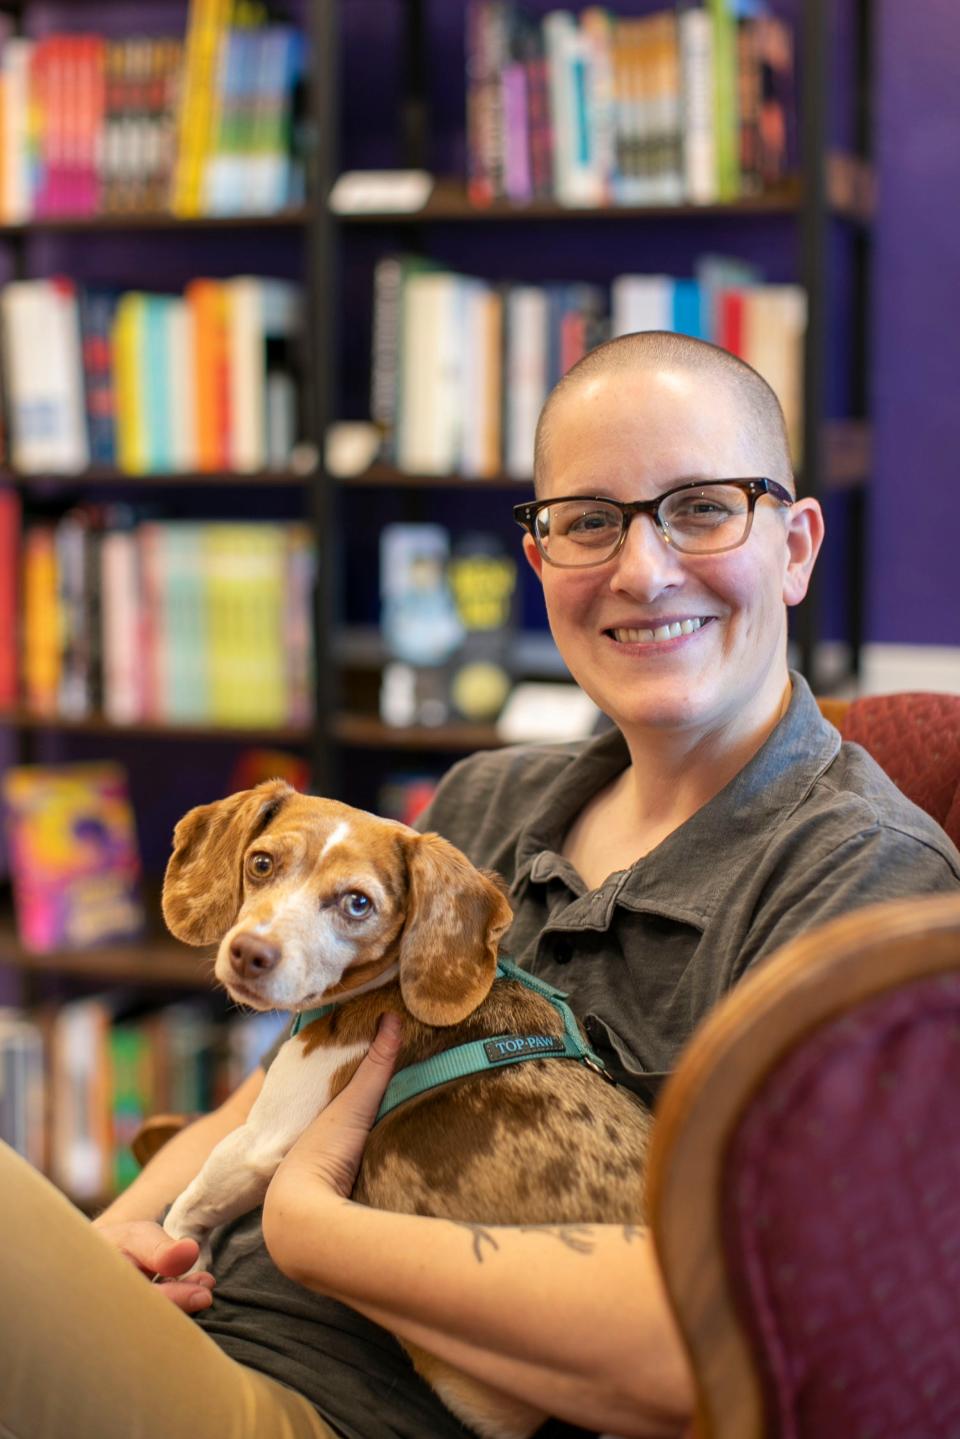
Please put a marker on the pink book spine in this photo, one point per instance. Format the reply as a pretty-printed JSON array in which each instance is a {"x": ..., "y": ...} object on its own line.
[{"x": 516, "y": 123}]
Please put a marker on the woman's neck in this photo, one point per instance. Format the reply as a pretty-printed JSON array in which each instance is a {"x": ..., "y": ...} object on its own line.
[
  {"x": 673, "y": 774},
  {"x": 669, "y": 778}
]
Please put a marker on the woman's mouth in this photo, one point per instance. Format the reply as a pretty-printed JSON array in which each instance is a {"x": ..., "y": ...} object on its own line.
[{"x": 671, "y": 631}]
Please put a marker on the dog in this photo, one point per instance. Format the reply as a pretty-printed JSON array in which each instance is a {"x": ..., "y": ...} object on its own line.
[{"x": 312, "y": 902}]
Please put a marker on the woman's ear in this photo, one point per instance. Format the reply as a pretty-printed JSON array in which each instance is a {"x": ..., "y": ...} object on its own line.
[
  {"x": 202, "y": 887},
  {"x": 805, "y": 530},
  {"x": 534, "y": 557},
  {"x": 456, "y": 915}
]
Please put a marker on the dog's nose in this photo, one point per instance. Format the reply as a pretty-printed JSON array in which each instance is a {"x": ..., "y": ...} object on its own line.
[{"x": 251, "y": 955}]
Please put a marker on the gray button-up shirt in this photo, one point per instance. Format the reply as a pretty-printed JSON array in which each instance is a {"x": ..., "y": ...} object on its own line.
[{"x": 809, "y": 829}]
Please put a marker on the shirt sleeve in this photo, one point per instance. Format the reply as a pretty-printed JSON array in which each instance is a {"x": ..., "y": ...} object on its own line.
[{"x": 872, "y": 867}]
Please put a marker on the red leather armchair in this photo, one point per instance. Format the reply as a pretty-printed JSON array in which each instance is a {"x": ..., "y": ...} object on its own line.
[
  {"x": 915, "y": 737},
  {"x": 805, "y": 1187}
]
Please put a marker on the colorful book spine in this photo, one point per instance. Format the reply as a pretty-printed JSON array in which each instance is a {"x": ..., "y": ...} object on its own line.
[
  {"x": 206, "y": 26},
  {"x": 10, "y": 519}
]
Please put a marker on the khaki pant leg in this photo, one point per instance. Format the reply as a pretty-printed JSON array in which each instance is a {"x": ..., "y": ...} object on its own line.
[{"x": 90, "y": 1350}]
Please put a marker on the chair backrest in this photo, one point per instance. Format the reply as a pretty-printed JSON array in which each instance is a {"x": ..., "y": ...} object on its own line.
[
  {"x": 915, "y": 738},
  {"x": 805, "y": 1186}
]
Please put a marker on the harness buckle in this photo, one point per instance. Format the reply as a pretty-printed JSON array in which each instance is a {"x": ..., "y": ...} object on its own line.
[{"x": 598, "y": 1067}]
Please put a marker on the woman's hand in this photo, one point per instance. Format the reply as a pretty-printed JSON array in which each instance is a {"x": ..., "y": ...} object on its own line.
[
  {"x": 327, "y": 1155},
  {"x": 151, "y": 1250}
]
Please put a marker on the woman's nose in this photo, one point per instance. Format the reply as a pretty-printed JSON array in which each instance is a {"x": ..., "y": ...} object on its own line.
[{"x": 646, "y": 564}]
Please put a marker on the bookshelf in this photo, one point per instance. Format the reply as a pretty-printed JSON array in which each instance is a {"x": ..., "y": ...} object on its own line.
[
  {"x": 820, "y": 218},
  {"x": 333, "y": 256},
  {"x": 172, "y": 765}
]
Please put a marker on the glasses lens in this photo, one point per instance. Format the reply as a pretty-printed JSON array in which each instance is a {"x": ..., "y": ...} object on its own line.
[
  {"x": 710, "y": 517},
  {"x": 578, "y": 532}
]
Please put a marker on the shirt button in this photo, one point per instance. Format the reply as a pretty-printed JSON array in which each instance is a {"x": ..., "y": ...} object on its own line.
[{"x": 562, "y": 951}]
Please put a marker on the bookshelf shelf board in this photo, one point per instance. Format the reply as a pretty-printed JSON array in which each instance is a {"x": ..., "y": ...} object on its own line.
[
  {"x": 847, "y": 466},
  {"x": 153, "y": 960},
  {"x": 272, "y": 479},
  {"x": 98, "y": 724},
  {"x": 850, "y": 194},
  {"x": 294, "y": 217},
  {"x": 388, "y": 476},
  {"x": 367, "y": 732}
]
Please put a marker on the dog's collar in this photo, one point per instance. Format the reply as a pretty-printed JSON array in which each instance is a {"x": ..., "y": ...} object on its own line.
[{"x": 480, "y": 1055}]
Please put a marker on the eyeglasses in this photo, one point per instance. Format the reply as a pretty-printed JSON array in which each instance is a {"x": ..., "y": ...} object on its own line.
[{"x": 700, "y": 519}]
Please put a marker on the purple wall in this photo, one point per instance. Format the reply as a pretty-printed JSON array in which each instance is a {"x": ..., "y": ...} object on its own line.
[{"x": 914, "y": 570}]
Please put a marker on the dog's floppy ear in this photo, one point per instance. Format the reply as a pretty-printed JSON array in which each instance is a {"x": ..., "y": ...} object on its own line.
[
  {"x": 456, "y": 915},
  {"x": 202, "y": 885}
]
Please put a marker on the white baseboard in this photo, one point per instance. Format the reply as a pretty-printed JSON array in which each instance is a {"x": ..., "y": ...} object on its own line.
[{"x": 886, "y": 668}]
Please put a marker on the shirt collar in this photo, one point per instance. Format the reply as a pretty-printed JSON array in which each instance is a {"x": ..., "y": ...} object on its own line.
[{"x": 775, "y": 780}]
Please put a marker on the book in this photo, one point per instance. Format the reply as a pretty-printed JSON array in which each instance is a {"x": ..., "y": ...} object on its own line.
[
  {"x": 390, "y": 277},
  {"x": 10, "y": 517},
  {"x": 431, "y": 361},
  {"x": 207, "y": 22},
  {"x": 43, "y": 376},
  {"x": 526, "y": 367},
  {"x": 695, "y": 32},
  {"x": 244, "y": 568},
  {"x": 129, "y": 356},
  {"x": 774, "y": 324},
  {"x": 725, "y": 113},
  {"x": 23, "y": 1087},
  {"x": 641, "y": 302},
  {"x": 97, "y": 317},
  {"x": 41, "y": 621},
  {"x": 577, "y": 179},
  {"x": 74, "y": 858},
  {"x": 263, "y": 325},
  {"x": 122, "y": 655},
  {"x": 81, "y": 1139},
  {"x": 418, "y": 618},
  {"x": 208, "y": 326}
]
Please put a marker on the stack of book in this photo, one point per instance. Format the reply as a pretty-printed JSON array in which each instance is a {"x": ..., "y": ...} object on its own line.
[
  {"x": 693, "y": 103},
  {"x": 167, "y": 622},
  {"x": 461, "y": 367},
  {"x": 150, "y": 383},
  {"x": 94, "y": 125}
]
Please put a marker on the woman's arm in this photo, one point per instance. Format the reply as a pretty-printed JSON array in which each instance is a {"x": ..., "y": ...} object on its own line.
[
  {"x": 182, "y": 1158},
  {"x": 130, "y": 1222},
  {"x": 570, "y": 1318}
]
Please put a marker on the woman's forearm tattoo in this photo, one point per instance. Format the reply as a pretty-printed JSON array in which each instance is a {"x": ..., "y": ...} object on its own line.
[{"x": 578, "y": 1237}]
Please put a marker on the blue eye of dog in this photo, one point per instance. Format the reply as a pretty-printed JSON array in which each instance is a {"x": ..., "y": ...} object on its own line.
[{"x": 356, "y": 905}]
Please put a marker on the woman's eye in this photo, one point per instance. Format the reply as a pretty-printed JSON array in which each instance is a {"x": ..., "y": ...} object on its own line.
[
  {"x": 590, "y": 523},
  {"x": 356, "y": 905},
  {"x": 260, "y": 865}
]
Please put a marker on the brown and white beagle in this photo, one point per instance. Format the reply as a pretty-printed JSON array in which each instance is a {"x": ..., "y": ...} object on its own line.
[{"x": 313, "y": 902}]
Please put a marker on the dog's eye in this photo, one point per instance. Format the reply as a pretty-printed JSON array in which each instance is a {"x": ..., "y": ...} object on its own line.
[
  {"x": 356, "y": 904},
  {"x": 260, "y": 865}
]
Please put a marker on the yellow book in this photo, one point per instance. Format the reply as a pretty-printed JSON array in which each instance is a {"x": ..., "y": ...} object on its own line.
[
  {"x": 245, "y": 592},
  {"x": 41, "y": 621},
  {"x": 206, "y": 27},
  {"x": 131, "y": 421}
]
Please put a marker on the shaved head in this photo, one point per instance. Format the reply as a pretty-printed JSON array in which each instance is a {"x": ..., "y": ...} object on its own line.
[{"x": 759, "y": 414}]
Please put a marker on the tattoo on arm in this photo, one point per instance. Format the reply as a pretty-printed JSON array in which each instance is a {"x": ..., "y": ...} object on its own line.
[{"x": 578, "y": 1237}]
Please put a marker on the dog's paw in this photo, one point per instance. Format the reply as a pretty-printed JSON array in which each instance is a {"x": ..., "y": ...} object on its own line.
[
  {"x": 185, "y": 1231},
  {"x": 202, "y": 1264}
]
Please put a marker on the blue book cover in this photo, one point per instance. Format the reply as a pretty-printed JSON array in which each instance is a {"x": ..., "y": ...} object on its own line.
[{"x": 687, "y": 310}]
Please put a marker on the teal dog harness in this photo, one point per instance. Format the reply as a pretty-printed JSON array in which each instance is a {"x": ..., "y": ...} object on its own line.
[{"x": 480, "y": 1055}]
